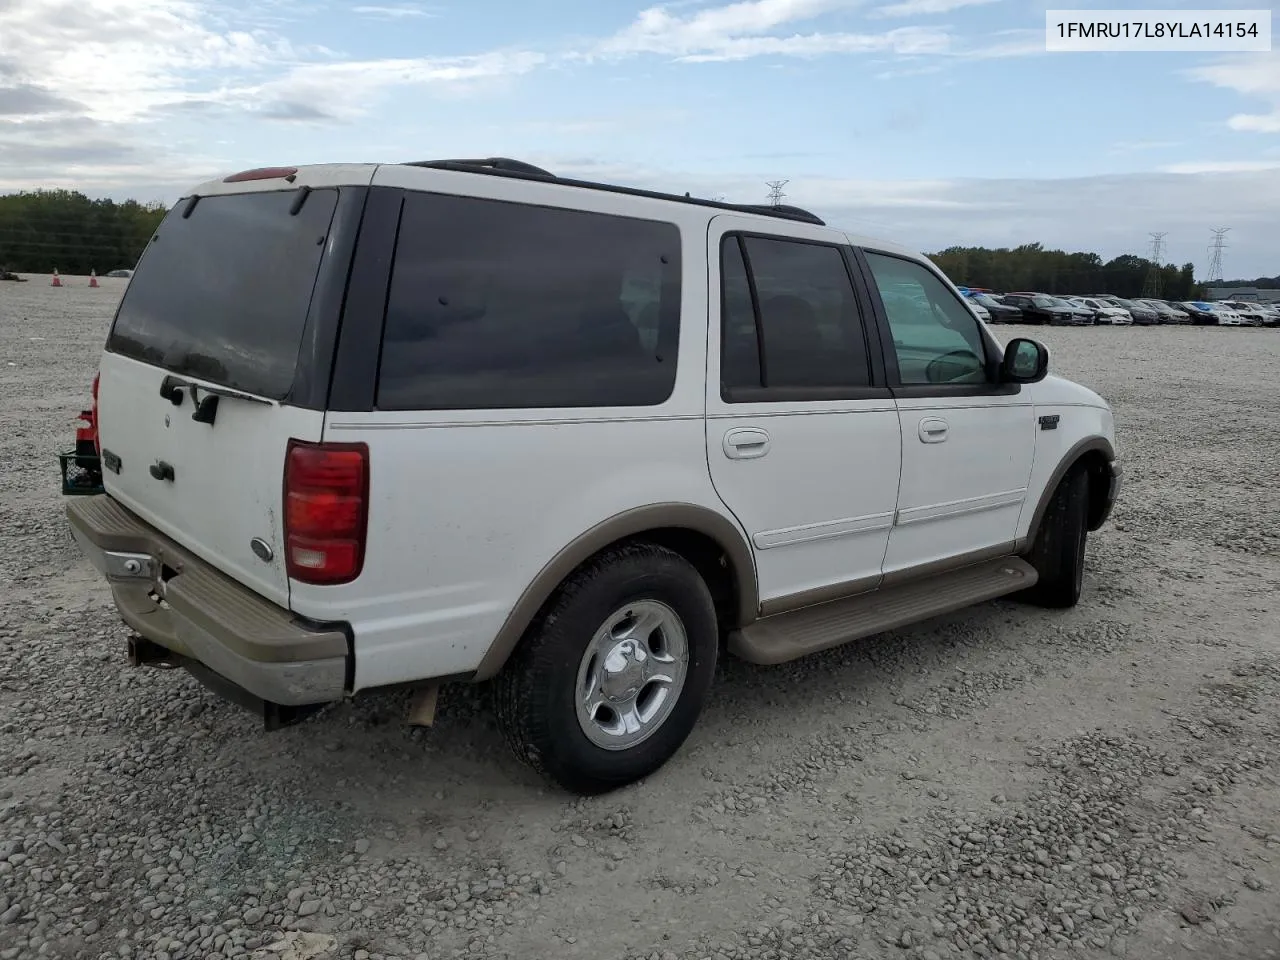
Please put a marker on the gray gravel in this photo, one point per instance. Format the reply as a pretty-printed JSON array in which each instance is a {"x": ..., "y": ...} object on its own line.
[{"x": 1004, "y": 782}]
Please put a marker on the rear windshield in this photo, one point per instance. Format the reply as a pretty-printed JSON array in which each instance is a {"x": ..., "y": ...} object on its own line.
[{"x": 223, "y": 294}]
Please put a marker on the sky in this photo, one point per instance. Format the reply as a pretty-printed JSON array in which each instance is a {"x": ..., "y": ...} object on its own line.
[{"x": 928, "y": 122}]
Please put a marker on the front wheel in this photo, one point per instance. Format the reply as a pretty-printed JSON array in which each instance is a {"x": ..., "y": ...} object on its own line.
[
  {"x": 608, "y": 682},
  {"x": 1058, "y": 551}
]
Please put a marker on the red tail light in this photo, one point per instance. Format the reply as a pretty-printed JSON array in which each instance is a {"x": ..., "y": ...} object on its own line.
[
  {"x": 326, "y": 510},
  {"x": 89, "y": 432}
]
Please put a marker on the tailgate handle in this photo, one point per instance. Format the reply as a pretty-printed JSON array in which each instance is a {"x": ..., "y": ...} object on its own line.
[{"x": 162, "y": 471}]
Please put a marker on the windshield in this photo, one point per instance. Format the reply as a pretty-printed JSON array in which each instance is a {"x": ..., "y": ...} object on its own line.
[
  {"x": 223, "y": 293},
  {"x": 1045, "y": 301}
]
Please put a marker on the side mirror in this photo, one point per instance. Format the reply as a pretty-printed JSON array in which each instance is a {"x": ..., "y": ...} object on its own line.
[{"x": 1025, "y": 361}]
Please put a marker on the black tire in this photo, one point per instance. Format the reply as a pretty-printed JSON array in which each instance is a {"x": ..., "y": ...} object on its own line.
[
  {"x": 535, "y": 693},
  {"x": 1058, "y": 551}
]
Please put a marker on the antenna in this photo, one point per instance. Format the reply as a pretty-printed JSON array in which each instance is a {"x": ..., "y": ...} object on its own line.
[
  {"x": 1215, "y": 254},
  {"x": 1151, "y": 287},
  {"x": 776, "y": 196}
]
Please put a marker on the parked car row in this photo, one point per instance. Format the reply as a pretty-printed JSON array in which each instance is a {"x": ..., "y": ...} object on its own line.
[{"x": 1043, "y": 308}]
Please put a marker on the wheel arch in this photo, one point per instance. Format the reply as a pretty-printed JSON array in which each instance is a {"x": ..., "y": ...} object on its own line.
[
  {"x": 708, "y": 540},
  {"x": 1095, "y": 454}
]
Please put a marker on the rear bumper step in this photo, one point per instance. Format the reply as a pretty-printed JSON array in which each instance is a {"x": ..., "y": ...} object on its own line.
[{"x": 238, "y": 643}]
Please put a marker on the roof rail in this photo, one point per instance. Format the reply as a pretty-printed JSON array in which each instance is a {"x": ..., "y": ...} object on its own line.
[
  {"x": 780, "y": 210},
  {"x": 489, "y": 164},
  {"x": 519, "y": 170}
]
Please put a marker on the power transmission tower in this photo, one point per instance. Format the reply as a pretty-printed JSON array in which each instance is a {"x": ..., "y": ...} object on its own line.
[
  {"x": 776, "y": 196},
  {"x": 1151, "y": 287},
  {"x": 1215, "y": 254}
]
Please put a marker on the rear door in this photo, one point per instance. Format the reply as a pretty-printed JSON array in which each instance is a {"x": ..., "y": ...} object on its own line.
[
  {"x": 217, "y": 357},
  {"x": 802, "y": 433}
]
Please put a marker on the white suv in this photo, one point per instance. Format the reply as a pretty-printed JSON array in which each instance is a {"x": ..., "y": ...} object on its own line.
[{"x": 365, "y": 426}]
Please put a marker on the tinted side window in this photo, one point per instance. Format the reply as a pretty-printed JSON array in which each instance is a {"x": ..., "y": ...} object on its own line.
[
  {"x": 740, "y": 350},
  {"x": 936, "y": 339},
  {"x": 806, "y": 316},
  {"x": 503, "y": 305}
]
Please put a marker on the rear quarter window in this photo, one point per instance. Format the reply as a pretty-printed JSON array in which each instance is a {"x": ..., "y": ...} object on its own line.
[
  {"x": 502, "y": 305},
  {"x": 223, "y": 294}
]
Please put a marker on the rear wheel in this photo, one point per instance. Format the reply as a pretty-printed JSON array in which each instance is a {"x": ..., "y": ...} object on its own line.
[
  {"x": 1059, "y": 548},
  {"x": 609, "y": 681}
]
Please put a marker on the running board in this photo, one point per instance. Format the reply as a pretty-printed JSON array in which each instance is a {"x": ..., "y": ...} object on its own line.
[{"x": 799, "y": 633}]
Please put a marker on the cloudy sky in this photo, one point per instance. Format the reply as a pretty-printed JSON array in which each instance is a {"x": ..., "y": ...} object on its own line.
[{"x": 931, "y": 122}]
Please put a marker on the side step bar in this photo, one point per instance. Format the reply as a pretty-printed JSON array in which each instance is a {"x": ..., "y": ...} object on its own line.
[{"x": 799, "y": 633}]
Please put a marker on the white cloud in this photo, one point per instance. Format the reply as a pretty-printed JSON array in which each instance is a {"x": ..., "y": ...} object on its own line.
[
  {"x": 905, "y": 41},
  {"x": 346, "y": 90},
  {"x": 917, "y": 8},
  {"x": 121, "y": 59},
  {"x": 1222, "y": 166},
  {"x": 755, "y": 28},
  {"x": 713, "y": 30},
  {"x": 1254, "y": 75},
  {"x": 397, "y": 12},
  {"x": 1012, "y": 43}
]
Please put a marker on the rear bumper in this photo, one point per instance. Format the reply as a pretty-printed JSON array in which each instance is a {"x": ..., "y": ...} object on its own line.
[{"x": 205, "y": 619}]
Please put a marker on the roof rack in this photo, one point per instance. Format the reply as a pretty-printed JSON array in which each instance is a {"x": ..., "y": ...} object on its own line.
[
  {"x": 519, "y": 170},
  {"x": 488, "y": 165}
]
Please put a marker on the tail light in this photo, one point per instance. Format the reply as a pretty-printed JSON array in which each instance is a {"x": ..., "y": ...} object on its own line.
[
  {"x": 326, "y": 511},
  {"x": 89, "y": 432}
]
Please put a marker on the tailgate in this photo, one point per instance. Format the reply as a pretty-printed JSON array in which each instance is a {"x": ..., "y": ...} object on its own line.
[{"x": 195, "y": 385}]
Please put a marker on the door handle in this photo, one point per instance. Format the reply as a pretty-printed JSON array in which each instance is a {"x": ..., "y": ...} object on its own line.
[
  {"x": 747, "y": 443},
  {"x": 933, "y": 430}
]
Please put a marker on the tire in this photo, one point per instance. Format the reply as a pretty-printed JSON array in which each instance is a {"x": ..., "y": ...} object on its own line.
[
  {"x": 538, "y": 699},
  {"x": 1059, "y": 548}
]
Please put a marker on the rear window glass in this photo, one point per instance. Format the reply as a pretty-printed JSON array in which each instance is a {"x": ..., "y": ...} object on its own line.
[
  {"x": 223, "y": 294},
  {"x": 504, "y": 305}
]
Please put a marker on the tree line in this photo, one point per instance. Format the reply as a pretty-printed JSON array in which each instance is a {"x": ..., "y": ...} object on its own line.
[
  {"x": 1262, "y": 283},
  {"x": 46, "y": 230},
  {"x": 1032, "y": 267}
]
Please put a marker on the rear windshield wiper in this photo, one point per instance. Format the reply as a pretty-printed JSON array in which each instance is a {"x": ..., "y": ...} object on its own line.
[{"x": 172, "y": 389}]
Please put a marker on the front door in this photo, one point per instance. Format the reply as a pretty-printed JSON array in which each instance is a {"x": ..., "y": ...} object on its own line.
[
  {"x": 967, "y": 440},
  {"x": 803, "y": 442}
]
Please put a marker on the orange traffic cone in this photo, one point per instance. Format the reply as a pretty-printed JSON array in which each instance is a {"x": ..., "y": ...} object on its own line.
[
  {"x": 57, "y": 280},
  {"x": 93, "y": 278}
]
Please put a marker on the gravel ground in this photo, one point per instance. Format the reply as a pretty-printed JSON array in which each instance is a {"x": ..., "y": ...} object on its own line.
[{"x": 1002, "y": 782}]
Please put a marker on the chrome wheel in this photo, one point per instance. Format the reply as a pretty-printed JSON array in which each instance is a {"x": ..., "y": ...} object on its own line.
[{"x": 631, "y": 675}]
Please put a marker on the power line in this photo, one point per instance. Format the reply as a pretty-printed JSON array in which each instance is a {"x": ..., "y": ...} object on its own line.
[
  {"x": 776, "y": 196},
  {"x": 1215, "y": 254},
  {"x": 1151, "y": 286}
]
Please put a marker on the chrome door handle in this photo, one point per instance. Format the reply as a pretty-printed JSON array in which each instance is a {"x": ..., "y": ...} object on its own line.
[
  {"x": 933, "y": 430},
  {"x": 746, "y": 443}
]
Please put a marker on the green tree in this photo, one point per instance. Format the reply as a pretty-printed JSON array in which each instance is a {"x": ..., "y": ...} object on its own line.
[
  {"x": 63, "y": 230},
  {"x": 1032, "y": 267}
]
